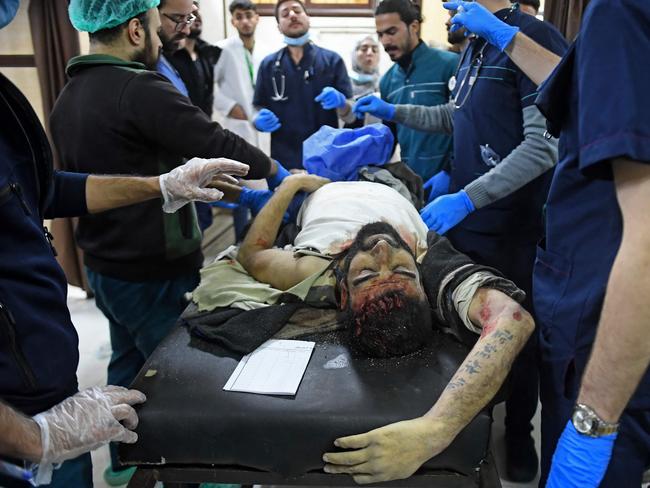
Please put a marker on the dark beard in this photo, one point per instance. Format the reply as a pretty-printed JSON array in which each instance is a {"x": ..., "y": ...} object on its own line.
[{"x": 145, "y": 57}]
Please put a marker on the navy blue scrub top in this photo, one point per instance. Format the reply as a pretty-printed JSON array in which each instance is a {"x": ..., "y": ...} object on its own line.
[
  {"x": 299, "y": 114},
  {"x": 598, "y": 97},
  {"x": 490, "y": 112}
]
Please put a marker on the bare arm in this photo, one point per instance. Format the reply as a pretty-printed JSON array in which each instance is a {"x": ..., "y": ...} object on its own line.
[
  {"x": 266, "y": 264},
  {"x": 108, "y": 192},
  {"x": 621, "y": 352},
  {"x": 20, "y": 436},
  {"x": 396, "y": 451},
  {"x": 534, "y": 60}
]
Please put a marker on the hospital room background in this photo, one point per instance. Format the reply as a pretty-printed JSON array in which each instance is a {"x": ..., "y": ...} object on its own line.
[{"x": 332, "y": 31}]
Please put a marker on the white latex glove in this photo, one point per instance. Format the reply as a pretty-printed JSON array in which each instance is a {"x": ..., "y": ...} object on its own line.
[
  {"x": 188, "y": 183},
  {"x": 84, "y": 422}
]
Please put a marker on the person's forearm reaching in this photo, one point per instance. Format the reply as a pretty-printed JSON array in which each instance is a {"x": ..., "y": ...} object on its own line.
[
  {"x": 80, "y": 423},
  {"x": 20, "y": 436},
  {"x": 192, "y": 181},
  {"x": 437, "y": 118},
  {"x": 534, "y": 60},
  {"x": 621, "y": 352},
  {"x": 396, "y": 451}
]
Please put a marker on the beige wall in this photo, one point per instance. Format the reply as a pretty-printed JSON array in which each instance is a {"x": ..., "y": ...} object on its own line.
[
  {"x": 16, "y": 39},
  {"x": 434, "y": 31}
]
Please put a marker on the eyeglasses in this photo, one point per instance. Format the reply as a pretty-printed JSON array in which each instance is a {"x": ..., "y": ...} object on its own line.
[{"x": 186, "y": 20}]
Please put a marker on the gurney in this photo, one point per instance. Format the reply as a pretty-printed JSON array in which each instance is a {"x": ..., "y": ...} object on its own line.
[{"x": 192, "y": 431}]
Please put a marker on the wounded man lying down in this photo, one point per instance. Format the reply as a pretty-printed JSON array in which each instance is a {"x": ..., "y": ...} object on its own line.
[{"x": 392, "y": 287}]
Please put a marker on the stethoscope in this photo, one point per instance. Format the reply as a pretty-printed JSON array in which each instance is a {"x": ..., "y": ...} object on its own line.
[
  {"x": 473, "y": 69},
  {"x": 279, "y": 94},
  {"x": 470, "y": 77}
]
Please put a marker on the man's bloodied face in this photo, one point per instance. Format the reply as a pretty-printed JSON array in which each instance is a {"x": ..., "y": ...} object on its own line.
[
  {"x": 382, "y": 294},
  {"x": 380, "y": 260}
]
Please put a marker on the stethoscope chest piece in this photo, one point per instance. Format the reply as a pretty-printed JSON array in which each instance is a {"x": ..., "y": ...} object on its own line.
[{"x": 451, "y": 84}]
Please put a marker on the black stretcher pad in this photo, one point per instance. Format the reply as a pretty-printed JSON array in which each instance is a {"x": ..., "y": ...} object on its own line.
[{"x": 189, "y": 420}]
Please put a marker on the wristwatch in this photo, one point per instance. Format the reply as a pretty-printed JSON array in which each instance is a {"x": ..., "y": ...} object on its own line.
[{"x": 587, "y": 422}]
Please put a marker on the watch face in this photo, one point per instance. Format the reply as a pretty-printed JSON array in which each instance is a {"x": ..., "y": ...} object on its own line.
[{"x": 583, "y": 422}]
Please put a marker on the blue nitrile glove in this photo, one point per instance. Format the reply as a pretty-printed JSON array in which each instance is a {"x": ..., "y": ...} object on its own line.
[
  {"x": 437, "y": 185},
  {"x": 267, "y": 121},
  {"x": 294, "y": 207},
  {"x": 274, "y": 181},
  {"x": 480, "y": 21},
  {"x": 330, "y": 98},
  {"x": 580, "y": 461},
  {"x": 446, "y": 211},
  {"x": 374, "y": 106},
  {"x": 254, "y": 199}
]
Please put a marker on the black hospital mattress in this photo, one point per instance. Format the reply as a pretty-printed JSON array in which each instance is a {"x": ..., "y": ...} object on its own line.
[{"x": 189, "y": 419}]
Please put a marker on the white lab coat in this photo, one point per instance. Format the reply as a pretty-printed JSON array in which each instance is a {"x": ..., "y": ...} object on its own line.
[{"x": 233, "y": 87}]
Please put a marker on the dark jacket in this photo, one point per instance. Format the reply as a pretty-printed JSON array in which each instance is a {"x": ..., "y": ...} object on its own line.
[
  {"x": 115, "y": 117},
  {"x": 38, "y": 344},
  {"x": 198, "y": 75}
]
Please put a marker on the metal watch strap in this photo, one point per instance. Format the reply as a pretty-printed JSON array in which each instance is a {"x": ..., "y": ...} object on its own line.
[{"x": 602, "y": 428}]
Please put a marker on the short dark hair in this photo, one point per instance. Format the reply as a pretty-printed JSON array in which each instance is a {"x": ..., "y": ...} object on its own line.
[
  {"x": 280, "y": 2},
  {"x": 533, "y": 3},
  {"x": 392, "y": 324},
  {"x": 107, "y": 36},
  {"x": 408, "y": 11},
  {"x": 241, "y": 5}
]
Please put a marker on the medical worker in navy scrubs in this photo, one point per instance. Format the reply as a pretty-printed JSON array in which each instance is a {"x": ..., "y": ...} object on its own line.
[
  {"x": 299, "y": 88},
  {"x": 592, "y": 275},
  {"x": 490, "y": 203}
]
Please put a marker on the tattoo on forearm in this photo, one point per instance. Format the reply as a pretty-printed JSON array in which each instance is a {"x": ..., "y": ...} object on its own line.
[
  {"x": 503, "y": 336},
  {"x": 456, "y": 383},
  {"x": 472, "y": 367}
]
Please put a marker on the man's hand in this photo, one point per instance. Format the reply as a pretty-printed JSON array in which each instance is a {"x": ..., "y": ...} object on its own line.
[
  {"x": 190, "y": 182},
  {"x": 437, "y": 185},
  {"x": 580, "y": 461},
  {"x": 374, "y": 106},
  {"x": 480, "y": 21},
  {"x": 86, "y": 421},
  {"x": 267, "y": 121},
  {"x": 395, "y": 451},
  {"x": 330, "y": 98},
  {"x": 305, "y": 182},
  {"x": 237, "y": 112},
  {"x": 447, "y": 211}
]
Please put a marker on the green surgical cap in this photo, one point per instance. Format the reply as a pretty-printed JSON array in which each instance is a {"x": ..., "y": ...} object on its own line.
[{"x": 94, "y": 15}]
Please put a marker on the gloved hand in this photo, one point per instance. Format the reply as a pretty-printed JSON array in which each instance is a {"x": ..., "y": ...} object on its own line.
[
  {"x": 275, "y": 180},
  {"x": 579, "y": 460},
  {"x": 374, "y": 106},
  {"x": 254, "y": 199},
  {"x": 84, "y": 422},
  {"x": 480, "y": 21},
  {"x": 437, "y": 185},
  {"x": 267, "y": 121},
  {"x": 189, "y": 182},
  {"x": 330, "y": 98},
  {"x": 447, "y": 211}
]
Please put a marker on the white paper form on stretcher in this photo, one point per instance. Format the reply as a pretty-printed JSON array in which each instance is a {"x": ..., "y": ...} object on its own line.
[{"x": 274, "y": 368}]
